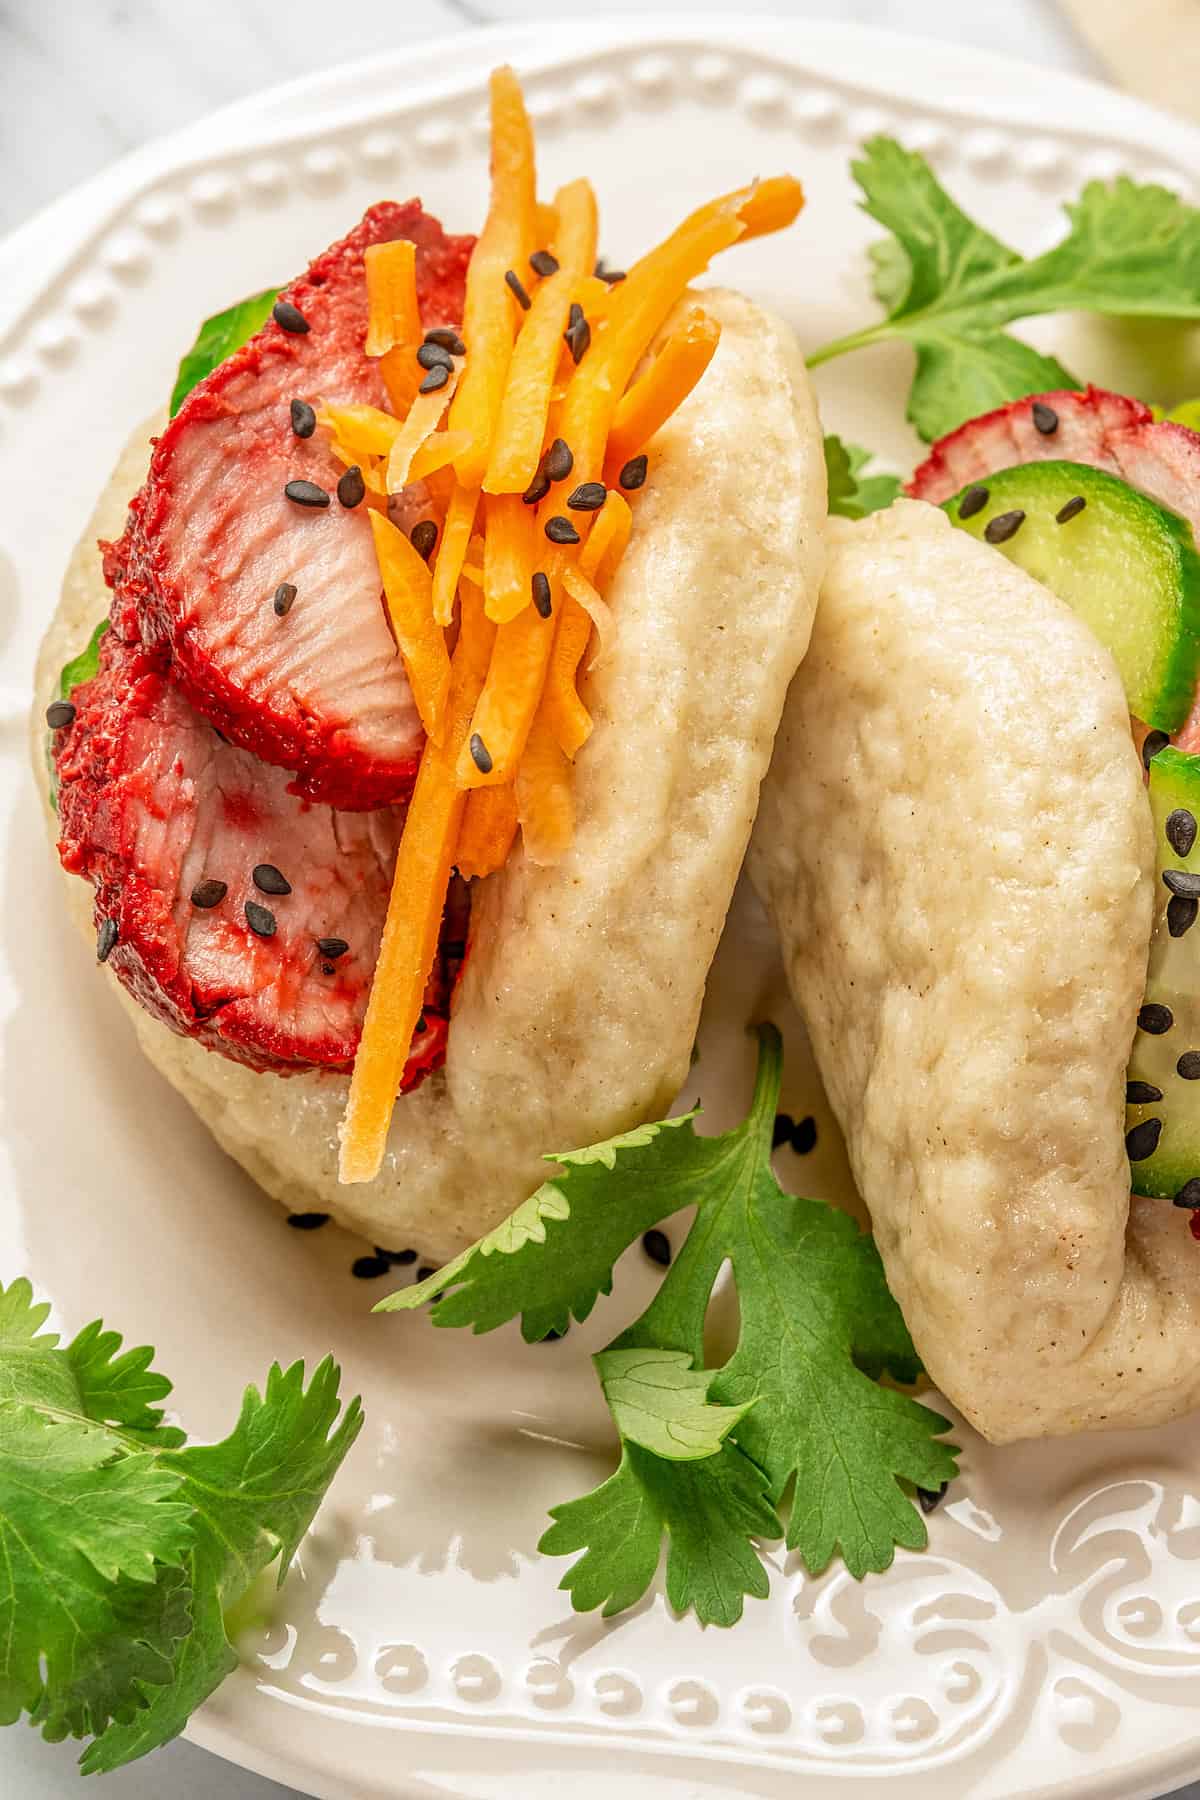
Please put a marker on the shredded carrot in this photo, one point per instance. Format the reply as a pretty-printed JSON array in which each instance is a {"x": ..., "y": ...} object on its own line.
[
  {"x": 545, "y": 225},
  {"x": 508, "y": 551},
  {"x": 598, "y": 611},
  {"x": 607, "y": 540},
  {"x": 408, "y": 589},
  {"x": 393, "y": 316},
  {"x": 424, "y": 417},
  {"x": 488, "y": 829},
  {"x": 452, "y": 550},
  {"x": 593, "y": 295},
  {"x": 366, "y": 430},
  {"x": 521, "y": 423},
  {"x": 410, "y": 935},
  {"x": 510, "y": 696},
  {"x": 437, "y": 452},
  {"x": 440, "y": 485},
  {"x": 563, "y": 710},
  {"x": 665, "y": 385},
  {"x": 402, "y": 377},
  {"x": 545, "y": 804},
  {"x": 369, "y": 466},
  {"x": 489, "y": 310}
]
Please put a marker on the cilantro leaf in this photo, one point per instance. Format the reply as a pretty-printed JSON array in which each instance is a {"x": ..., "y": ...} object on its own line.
[
  {"x": 121, "y": 1547},
  {"x": 817, "y": 1324},
  {"x": 950, "y": 288},
  {"x": 218, "y": 338},
  {"x": 853, "y": 494}
]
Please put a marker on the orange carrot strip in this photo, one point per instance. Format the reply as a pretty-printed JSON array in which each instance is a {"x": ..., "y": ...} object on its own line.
[
  {"x": 393, "y": 315},
  {"x": 452, "y": 550},
  {"x": 665, "y": 385},
  {"x": 598, "y": 611},
  {"x": 490, "y": 313},
  {"x": 410, "y": 935},
  {"x": 545, "y": 804},
  {"x": 368, "y": 465},
  {"x": 408, "y": 589},
  {"x": 521, "y": 423},
  {"x": 488, "y": 829},
  {"x": 607, "y": 540},
  {"x": 402, "y": 376},
  {"x": 593, "y": 295},
  {"x": 515, "y": 678},
  {"x": 508, "y": 552},
  {"x": 368, "y": 430},
  {"x": 545, "y": 225},
  {"x": 436, "y": 452},
  {"x": 562, "y": 709},
  {"x": 424, "y": 417}
]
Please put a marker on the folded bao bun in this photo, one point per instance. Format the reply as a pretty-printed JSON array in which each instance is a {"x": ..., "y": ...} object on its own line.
[
  {"x": 956, "y": 847},
  {"x": 582, "y": 988}
]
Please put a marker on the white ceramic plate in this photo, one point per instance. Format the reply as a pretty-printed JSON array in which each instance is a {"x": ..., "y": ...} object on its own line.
[{"x": 1049, "y": 1641}]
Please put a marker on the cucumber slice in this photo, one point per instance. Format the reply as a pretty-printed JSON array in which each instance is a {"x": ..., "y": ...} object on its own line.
[
  {"x": 1125, "y": 564},
  {"x": 1166, "y": 1057}
]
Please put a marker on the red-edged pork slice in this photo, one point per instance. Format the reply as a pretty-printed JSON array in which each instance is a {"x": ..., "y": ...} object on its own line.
[
  {"x": 159, "y": 813},
  {"x": 320, "y": 691},
  {"x": 1110, "y": 431}
]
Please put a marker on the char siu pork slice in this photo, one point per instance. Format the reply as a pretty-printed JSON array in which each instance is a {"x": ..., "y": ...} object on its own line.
[
  {"x": 320, "y": 691},
  {"x": 190, "y": 842}
]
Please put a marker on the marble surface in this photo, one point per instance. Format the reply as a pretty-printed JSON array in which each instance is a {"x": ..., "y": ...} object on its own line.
[{"x": 86, "y": 81}]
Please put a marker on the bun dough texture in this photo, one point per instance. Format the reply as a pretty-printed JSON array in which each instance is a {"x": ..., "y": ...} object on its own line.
[
  {"x": 957, "y": 850},
  {"x": 582, "y": 989}
]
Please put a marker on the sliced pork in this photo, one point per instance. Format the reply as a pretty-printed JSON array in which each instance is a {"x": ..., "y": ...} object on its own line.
[
  {"x": 190, "y": 843},
  {"x": 321, "y": 690},
  {"x": 1109, "y": 431}
]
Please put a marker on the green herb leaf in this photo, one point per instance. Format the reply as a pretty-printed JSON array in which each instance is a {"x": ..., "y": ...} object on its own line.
[
  {"x": 707, "y": 1454},
  {"x": 120, "y": 1548},
  {"x": 81, "y": 668},
  {"x": 219, "y": 337},
  {"x": 852, "y": 493},
  {"x": 950, "y": 288}
]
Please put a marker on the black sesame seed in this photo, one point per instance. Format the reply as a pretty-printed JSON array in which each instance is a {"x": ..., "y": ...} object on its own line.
[
  {"x": 540, "y": 585},
  {"x": 285, "y": 593},
  {"x": 515, "y": 288},
  {"x": 1181, "y": 914},
  {"x": 60, "y": 714},
  {"x": 309, "y": 1221},
  {"x": 402, "y": 1258},
  {"x": 366, "y": 1268},
  {"x": 306, "y": 493},
  {"x": 657, "y": 1246},
  {"x": 973, "y": 501},
  {"x": 304, "y": 419},
  {"x": 269, "y": 880},
  {"x": 1189, "y": 1194},
  {"x": 423, "y": 537},
  {"x": 1188, "y": 1066},
  {"x": 559, "y": 460},
  {"x": 106, "y": 940},
  {"x": 436, "y": 378},
  {"x": 542, "y": 263},
  {"x": 1182, "y": 881},
  {"x": 634, "y": 473},
  {"x": 209, "y": 893},
  {"x": 561, "y": 531},
  {"x": 589, "y": 496},
  {"x": 577, "y": 338},
  {"x": 1181, "y": 831},
  {"x": 333, "y": 947},
  {"x": 1155, "y": 1019},
  {"x": 929, "y": 1499},
  {"x": 260, "y": 920},
  {"x": 1004, "y": 526},
  {"x": 804, "y": 1138},
  {"x": 480, "y": 755},
  {"x": 351, "y": 488},
  {"x": 1045, "y": 418},
  {"x": 1153, "y": 742},
  {"x": 435, "y": 356},
  {"x": 575, "y": 316},
  {"x": 448, "y": 338},
  {"x": 1142, "y": 1093},
  {"x": 782, "y": 1130},
  {"x": 1071, "y": 509},
  {"x": 538, "y": 488},
  {"x": 289, "y": 317},
  {"x": 1142, "y": 1140}
]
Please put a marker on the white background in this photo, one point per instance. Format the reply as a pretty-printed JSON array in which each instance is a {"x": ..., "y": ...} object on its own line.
[{"x": 85, "y": 81}]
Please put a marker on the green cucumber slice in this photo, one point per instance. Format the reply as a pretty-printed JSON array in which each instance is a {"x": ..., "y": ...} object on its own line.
[
  {"x": 1125, "y": 564},
  {"x": 1168, "y": 1060}
]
